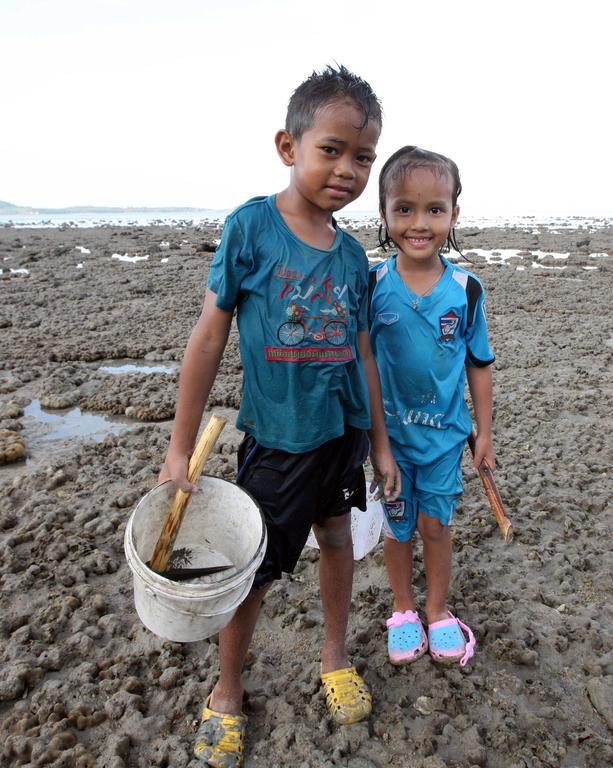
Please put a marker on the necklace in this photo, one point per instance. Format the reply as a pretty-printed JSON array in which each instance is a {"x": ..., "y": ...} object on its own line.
[{"x": 417, "y": 297}]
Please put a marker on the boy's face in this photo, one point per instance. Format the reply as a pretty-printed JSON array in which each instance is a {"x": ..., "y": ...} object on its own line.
[{"x": 331, "y": 161}]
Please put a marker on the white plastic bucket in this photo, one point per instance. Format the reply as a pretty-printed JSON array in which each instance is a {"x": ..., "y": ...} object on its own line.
[
  {"x": 365, "y": 527},
  {"x": 222, "y": 518}
]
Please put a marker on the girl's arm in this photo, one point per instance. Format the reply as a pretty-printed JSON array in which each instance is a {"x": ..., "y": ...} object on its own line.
[
  {"x": 385, "y": 468},
  {"x": 480, "y": 385},
  {"x": 198, "y": 371}
]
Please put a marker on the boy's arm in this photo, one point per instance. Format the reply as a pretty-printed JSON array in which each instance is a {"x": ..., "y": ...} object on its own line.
[
  {"x": 385, "y": 468},
  {"x": 480, "y": 385},
  {"x": 198, "y": 371}
]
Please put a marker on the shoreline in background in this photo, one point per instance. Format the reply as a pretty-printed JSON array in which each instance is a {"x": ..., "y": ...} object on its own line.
[{"x": 211, "y": 217}]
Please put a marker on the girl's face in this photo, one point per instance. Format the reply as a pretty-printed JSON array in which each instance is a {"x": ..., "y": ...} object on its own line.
[{"x": 419, "y": 213}]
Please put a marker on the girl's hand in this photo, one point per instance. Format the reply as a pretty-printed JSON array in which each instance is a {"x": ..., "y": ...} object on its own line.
[
  {"x": 484, "y": 449},
  {"x": 175, "y": 469},
  {"x": 386, "y": 480}
]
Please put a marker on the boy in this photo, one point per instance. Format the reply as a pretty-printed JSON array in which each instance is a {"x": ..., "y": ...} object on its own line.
[{"x": 300, "y": 285}]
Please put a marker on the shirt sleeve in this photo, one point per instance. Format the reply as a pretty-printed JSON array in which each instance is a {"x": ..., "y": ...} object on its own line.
[
  {"x": 230, "y": 265},
  {"x": 478, "y": 350}
]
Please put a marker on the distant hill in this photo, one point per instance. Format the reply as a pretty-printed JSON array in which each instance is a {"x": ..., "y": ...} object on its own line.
[{"x": 7, "y": 209}]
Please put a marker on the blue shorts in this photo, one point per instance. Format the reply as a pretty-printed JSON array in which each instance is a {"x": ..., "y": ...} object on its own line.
[{"x": 432, "y": 489}]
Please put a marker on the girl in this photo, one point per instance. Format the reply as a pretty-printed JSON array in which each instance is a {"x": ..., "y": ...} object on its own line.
[{"x": 427, "y": 328}]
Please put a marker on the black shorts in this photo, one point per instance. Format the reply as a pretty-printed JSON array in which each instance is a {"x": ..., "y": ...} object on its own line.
[{"x": 296, "y": 490}]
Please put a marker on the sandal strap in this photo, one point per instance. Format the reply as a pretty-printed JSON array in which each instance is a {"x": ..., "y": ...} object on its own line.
[
  {"x": 470, "y": 645},
  {"x": 398, "y": 618}
]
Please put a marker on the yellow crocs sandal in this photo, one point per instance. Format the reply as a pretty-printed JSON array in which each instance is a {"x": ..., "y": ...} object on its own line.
[
  {"x": 220, "y": 740},
  {"x": 347, "y": 696}
]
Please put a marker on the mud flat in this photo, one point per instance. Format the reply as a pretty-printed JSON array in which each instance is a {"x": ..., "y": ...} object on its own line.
[{"x": 82, "y": 683}]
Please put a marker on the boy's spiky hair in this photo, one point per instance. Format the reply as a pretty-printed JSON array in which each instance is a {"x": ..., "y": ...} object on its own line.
[{"x": 321, "y": 88}]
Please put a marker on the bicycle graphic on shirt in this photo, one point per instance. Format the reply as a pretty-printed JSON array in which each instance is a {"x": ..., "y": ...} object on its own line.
[{"x": 331, "y": 329}]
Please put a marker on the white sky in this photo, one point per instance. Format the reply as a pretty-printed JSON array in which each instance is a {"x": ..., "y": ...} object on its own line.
[{"x": 160, "y": 102}]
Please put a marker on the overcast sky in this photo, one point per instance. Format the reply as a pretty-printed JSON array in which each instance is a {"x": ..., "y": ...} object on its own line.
[{"x": 159, "y": 102}]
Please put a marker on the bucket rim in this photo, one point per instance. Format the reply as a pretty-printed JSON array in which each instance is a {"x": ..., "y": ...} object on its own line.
[{"x": 190, "y": 590}]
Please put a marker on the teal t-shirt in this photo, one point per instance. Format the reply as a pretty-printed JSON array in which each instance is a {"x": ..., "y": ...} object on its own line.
[
  {"x": 299, "y": 310},
  {"x": 422, "y": 346}
]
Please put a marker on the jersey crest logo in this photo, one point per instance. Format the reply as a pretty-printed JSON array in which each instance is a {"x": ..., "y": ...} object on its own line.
[
  {"x": 449, "y": 325},
  {"x": 394, "y": 509}
]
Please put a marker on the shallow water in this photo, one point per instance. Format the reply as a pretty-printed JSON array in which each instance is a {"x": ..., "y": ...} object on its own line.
[
  {"x": 67, "y": 423},
  {"x": 116, "y": 367},
  {"x": 45, "y": 430}
]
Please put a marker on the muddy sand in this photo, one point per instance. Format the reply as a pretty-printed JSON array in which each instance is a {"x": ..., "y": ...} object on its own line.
[{"x": 82, "y": 683}]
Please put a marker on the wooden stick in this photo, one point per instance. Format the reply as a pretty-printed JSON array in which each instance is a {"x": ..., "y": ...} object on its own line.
[
  {"x": 165, "y": 543},
  {"x": 493, "y": 496}
]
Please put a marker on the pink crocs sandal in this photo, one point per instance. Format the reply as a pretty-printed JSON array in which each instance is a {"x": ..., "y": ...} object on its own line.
[
  {"x": 406, "y": 639},
  {"x": 448, "y": 643}
]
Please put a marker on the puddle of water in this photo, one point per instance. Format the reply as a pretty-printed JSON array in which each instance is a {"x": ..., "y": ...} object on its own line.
[
  {"x": 545, "y": 266},
  {"x": 17, "y": 271},
  {"x": 132, "y": 259},
  {"x": 46, "y": 432},
  {"x": 118, "y": 367},
  {"x": 67, "y": 423}
]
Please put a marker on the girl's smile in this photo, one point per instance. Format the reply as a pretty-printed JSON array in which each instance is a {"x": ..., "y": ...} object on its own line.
[{"x": 419, "y": 213}]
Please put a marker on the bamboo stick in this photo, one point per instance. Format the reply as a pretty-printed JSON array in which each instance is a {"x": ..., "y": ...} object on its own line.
[
  {"x": 493, "y": 496},
  {"x": 165, "y": 543}
]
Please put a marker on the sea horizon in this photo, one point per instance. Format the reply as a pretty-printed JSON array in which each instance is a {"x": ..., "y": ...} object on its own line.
[{"x": 191, "y": 217}]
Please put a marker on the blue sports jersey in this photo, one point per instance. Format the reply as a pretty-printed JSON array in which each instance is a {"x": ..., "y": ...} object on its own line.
[
  {"x": 299, "y": 311},
  {"x": 421, "y": 354}
]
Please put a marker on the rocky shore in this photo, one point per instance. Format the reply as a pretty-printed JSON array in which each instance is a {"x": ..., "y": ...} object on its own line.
[{"x": 82, "y": 683}]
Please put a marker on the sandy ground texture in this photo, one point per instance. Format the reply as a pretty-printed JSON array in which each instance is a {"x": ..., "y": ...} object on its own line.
[{"x": 82, "y": 683}]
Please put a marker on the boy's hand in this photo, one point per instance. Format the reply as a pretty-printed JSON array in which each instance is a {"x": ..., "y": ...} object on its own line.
[
  {"x": 175, "y": 469},
  {"x": 386, "y": 479},
  {"x": 484, "y": 449}
]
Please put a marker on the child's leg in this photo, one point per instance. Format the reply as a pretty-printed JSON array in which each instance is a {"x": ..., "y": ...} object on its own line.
[
  {"x": 347, "y": 696},
  {"x": 400, "y": 522},
  {"x": 447, "y": 635},
  {"x": 399, "y": 564},
  {"x": 336, "y": 579},
  {"x": 406, "y": 639},
  {"x": 438, "y": 488},
  {"x": 234, "y": 642},
  {"x": 436, "y": 540}
]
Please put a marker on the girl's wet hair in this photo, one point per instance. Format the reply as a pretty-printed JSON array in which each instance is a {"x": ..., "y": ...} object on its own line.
[
  {"x": 404, "y": 161},
  {"x": 322, "y": 88}
]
